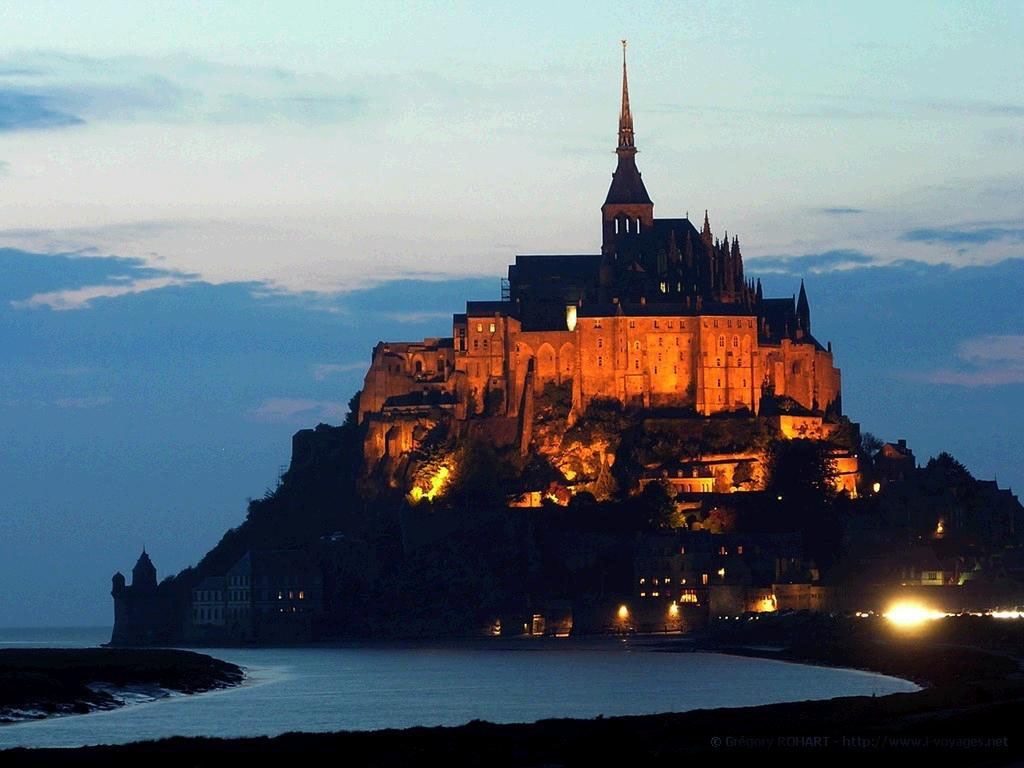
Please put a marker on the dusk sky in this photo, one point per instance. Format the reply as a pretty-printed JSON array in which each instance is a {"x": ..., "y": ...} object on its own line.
[{"x": 210, "y": 213}]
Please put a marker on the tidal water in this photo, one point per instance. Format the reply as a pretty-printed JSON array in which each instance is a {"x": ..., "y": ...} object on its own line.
[{"x": 369, "y": 686}]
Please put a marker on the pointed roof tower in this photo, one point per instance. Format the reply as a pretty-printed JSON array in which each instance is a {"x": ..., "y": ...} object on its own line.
[
  {"x": 625, "y": 116},
  {"x": 144, "y": 572},
  {"x": 803, "y": 309},
  {"x": 627, "y": 188}
]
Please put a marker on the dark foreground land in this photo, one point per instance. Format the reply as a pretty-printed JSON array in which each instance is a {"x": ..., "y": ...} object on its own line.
[
  {"x": 970, "y": 714},
  {"x": 41, "y": 682}
]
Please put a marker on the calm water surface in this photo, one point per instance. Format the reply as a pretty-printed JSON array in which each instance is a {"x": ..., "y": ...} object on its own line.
[{"x": 361, "y": 687}]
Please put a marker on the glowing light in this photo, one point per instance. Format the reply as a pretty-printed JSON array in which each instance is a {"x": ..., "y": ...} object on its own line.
[
  {"x": 940, "y": 528},
  {"x": 766, "y": 604},
  {"x": 876, "y": 487},
  {"x": 673, "y": 609},
  {"x": 623, "y": 613},
  {"x": 911, "y": 614},
  {"x": 570, "y": 317},
  {"x": 1007, "y": 614},
  {"x": 436, "y": 484},
  {"x": 721, "y": 572}
]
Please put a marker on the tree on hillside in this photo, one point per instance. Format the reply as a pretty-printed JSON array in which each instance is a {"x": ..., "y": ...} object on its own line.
[
  {"x": 802, "y": 479},
  {"x": 870, "y": 444},
  {"x": 655, "y": 508},
  {"x": 481, "y": 478},
  {"x": 803, "y": 472}
]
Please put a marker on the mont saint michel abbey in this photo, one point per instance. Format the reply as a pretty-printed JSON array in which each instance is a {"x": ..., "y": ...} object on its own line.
[{"x": 663, "y": 317}]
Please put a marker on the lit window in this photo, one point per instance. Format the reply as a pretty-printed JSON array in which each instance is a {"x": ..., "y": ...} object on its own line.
[
  {"x": 704, "y": 579},
  {"x": 479, "y": 327},
  {"x": 492, "y": 327}
]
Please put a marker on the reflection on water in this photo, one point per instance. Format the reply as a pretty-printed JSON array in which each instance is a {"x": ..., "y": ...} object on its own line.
[{"x": 368, "y": 686}]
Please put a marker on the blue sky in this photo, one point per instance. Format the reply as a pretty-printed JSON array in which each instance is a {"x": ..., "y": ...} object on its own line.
[{"x": 210, "y": 214}]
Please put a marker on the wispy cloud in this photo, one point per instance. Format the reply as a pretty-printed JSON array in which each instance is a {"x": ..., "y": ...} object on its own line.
[
  {"x": 45, "y": 90},
  {"x": 325, "y": 370},
  {"x": 840, "y": 211},
  {"x": 82, "y": 402},
  {"x": 965, "y": 235},
  {"x": 287, "y": 409},
  {"x": 416, "y": 318},
  {"x": 82, "y": 298},
  {"x": 20, "y": 110},
  {"x": 986, "y": 361},
  {"x": 827, "y": 261}
]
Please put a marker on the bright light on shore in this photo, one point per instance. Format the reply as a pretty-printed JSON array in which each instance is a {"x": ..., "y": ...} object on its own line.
[
  {"x": 911, "y": 614},
  {"x": 1007, "y": 615}
]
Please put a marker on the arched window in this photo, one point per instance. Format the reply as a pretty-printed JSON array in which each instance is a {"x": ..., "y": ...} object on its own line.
[
  {"x": 636, "y": 345},
  {"x": 638, "y": 226},
  {"x": 419, "y": 366},
  {"x": 721, "y": 341}
]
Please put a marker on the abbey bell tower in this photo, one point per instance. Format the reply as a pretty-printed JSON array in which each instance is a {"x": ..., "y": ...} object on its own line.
[{"x": 627, "y": 209}]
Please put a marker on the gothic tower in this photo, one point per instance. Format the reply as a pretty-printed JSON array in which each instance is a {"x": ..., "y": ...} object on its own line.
[{"x": 627, "y": 210}]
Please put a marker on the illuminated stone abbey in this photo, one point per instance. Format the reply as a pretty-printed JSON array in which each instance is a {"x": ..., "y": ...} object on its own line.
[{"x": 662, "y": 318}]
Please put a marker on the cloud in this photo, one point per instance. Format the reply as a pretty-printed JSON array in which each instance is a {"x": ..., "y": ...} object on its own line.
[
  {"x": 840, "y": 211},
  {"x": 987, "y": 361},
  {"x": 827, "y": 261},
  {"x": 20, "y": 111},
  {"x": 417, "y": 318},
  {"x": 81, "y": 298},
  {"x": 82, "y": 402},
  {"x": 286, "y": 409},
  {"x": 965, "y": 235},
  {"x": 45, "y": 90},
  {"x": 324, "y": 370}
]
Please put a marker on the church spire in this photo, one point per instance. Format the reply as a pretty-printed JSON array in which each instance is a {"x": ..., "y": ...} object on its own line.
[
  {"x": 625, "y": 117},
  {"x": 627, "y": 210}
]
